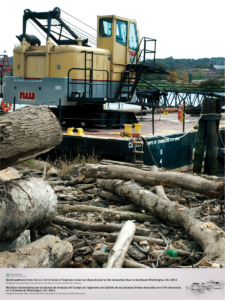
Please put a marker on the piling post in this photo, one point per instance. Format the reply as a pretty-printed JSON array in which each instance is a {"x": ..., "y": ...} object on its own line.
[{"x": 207, "y": 136}]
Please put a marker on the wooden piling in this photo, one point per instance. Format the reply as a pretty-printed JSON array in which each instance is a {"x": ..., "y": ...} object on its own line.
[{"x": 207, "y": 136}]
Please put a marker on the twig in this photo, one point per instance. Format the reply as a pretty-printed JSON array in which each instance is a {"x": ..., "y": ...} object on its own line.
[
  {"x": 165, "y": 250},
  {"x": 61, "y": 228},
  {"x": 44, "y": 173},
  {"x": 141, "y": 249},
  {"x": 89, "y": 244}
]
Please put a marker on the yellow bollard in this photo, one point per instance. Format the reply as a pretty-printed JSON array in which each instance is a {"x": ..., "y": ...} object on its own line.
[
  {"x": 128, "y": 128},
  {"x": 166, "y": 112},
  {"x": 70, "y": 131},
  {"x": 137, "y": 127},
  {"x": 80, "y": 131}
]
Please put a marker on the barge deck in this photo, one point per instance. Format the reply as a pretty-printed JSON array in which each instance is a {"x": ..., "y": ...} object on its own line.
[{"x": 169, "y": 147}]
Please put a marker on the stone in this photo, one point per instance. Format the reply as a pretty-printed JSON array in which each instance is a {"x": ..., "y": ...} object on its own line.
[
  {"x": 78, "y": 258},
  {"x": 52, "y": 172}
]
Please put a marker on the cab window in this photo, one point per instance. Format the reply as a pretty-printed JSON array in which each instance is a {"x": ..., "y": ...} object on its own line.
[
  {"x": 133, "y": 41},
  {"x": 121, "y": 32},
  {"x": 105, "y": 27}
]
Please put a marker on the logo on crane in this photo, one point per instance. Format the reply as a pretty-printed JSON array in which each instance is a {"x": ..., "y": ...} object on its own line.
[{"x": 27, "y": 96}]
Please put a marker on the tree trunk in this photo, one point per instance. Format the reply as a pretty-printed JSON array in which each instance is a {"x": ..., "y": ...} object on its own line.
[
  {"x": 25, "y": 205},
  {"x": 109, "y": 214},
  {"x": 209, "y": 236},
  {"x": 47, "y": 252},
  {"x": 101, "y": 257},
  {"x": 104, "y": 227},
  {"x": 26, "y": 133},
  {"x": 119, "y": 250},
  {"x": 107, "y": 195},
  {"x": 159, "y": 190},
  {"x": 181, "y": 200},
  {"x": 22, "y": 240},
  {"x": 185, "y": 181},
  {"x": 113, "y": 236},
  {"x": 126, "y": 215}
]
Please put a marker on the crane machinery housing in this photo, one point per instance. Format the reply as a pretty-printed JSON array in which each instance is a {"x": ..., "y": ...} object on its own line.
[{"x": 75, "y": 78}]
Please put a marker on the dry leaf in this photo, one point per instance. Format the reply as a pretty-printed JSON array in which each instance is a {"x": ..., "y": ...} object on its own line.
[
  {"x": 208, "y": 225},
  {"x": 180, "y": 207}
]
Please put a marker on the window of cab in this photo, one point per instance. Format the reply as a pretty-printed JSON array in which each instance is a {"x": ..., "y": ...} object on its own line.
[
  {"x": 133, "y": 40},
  {"x": 121, "y": 32},
  {"x": 105, "y": 27}
]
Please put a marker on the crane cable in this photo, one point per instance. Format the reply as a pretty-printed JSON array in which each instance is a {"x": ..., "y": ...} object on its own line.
[
  {"x": 80, "y": 34},
  {"x": 36, "y": 28},
  {"x": 80, "y": 29},
  {"x": 78, "y": 20}
]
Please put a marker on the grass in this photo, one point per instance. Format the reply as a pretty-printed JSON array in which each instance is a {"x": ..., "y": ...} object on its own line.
[{"x": 63, "y": 164}]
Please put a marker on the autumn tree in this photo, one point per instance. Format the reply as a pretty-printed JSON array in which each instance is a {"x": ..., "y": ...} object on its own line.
[
  {"x": 172, "y": 77},
  {"x": 184, "y": 78}
]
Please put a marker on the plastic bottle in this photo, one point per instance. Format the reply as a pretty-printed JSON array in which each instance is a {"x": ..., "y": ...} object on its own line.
[{"x": 172, "y": 253}]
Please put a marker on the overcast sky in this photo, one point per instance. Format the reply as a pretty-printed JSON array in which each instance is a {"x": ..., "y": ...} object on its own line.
[{"x": 183, "y": 29}]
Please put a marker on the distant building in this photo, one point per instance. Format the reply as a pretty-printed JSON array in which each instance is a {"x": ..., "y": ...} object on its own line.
[
  {"x": 193, "y": 70},
  {"x": 219, "y": 69},
  {"x": 209, "y": 73},
  {"x": 217, "y": 62}
]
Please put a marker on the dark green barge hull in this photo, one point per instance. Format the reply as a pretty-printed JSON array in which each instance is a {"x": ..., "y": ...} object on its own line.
[{"x": 174, "y": 152}]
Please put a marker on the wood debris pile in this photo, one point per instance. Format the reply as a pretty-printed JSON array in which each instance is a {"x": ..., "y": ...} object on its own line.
[{"x": 113, "y": 215}]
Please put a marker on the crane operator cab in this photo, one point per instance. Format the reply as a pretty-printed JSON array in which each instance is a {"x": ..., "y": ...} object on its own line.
[{"x": 119, "y": 35}]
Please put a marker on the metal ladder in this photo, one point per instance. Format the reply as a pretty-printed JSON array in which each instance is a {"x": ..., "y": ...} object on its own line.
[
  {"x": 135, "y": 152},
  {"x": 90, "y": 74}
]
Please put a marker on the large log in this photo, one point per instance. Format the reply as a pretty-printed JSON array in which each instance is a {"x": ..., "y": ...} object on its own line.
[
  {"x": 47, "y": 252},
  {"x": 26, "y": 133},
  {"x": 22, "y": 240},
  {"x": 209, "y": 236},
  {"x": 185, "y": 181},
  {"x": 25, "y": 205},
  {"x": 109, "y": 214},
  {"x": 102, "y": 257},
  {"x": 119, "y": 250},
  {"x": 104, "y": 227}
]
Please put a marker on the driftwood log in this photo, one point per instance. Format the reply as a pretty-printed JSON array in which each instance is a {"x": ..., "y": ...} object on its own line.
[
  {"x": 119, "y": 250},
  {"x": 109, "y": 214},
  {"x": 209, "y": 236},
  {"x": 26, "y": 133},
  {"x": 25, "y": 205},
  {"x": 47, "y": 252},
  {"x": 22, "y": 240},
  {"x": 101, "y": 258},
  {"x": 104, "y": 227},
  {"x": 185, "y": 181}
]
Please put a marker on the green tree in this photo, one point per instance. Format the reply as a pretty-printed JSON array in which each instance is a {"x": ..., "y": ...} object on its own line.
[
  {"x": 199, "y": 75},
  {"x": 190, "y": 75},
  {"x": 212, "y": 82}
]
